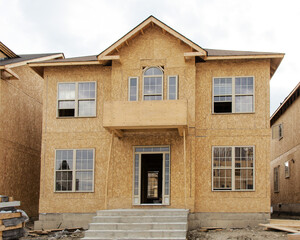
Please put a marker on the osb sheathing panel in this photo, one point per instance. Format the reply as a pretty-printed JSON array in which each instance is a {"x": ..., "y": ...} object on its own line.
[
  {"x": 207, "y": 200},
  {"x": 20, "y": 137},
  {"x": 154, "y": 48},
  {"x": 120, "y": 173},
  {"x": 289, "y": 188},
  {"x": 232, "y": 130},
  {"x": 53, "y": 76},
  {"x": 287, "y": 149},
  {"x": 259, "y": 69},
  {"x": 291, "y": 131}
]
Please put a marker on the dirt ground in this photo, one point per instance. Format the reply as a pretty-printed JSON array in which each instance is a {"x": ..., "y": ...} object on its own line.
[{"x": 256, "y": 233}]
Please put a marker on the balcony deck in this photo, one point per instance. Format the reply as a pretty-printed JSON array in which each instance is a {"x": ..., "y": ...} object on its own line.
[{"x": 125, "y": 115}]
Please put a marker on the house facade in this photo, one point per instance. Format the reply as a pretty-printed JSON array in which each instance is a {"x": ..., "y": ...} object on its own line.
[
  {"x": 285, "y": 156},
  {"x": 156, "y": 121},
  {"x": 21, "y": 127}
]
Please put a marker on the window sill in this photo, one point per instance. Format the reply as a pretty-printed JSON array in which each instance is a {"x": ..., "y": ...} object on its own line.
[
  {"x": 74, "y": 191},
  {"x": 233, "y": 113},
  {"x": 76, "y": 117}
]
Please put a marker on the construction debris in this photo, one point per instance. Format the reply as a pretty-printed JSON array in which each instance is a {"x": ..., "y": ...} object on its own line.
[
  {"x": 12, "y": 220},
  {"x": 291, "y": 226}
]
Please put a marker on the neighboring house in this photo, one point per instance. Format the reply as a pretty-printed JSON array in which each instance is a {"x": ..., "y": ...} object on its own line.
[
  {"x": 156, "y": 121},
  {"x": 21, "y": 127},
  {"x": 285, "y": 156}
]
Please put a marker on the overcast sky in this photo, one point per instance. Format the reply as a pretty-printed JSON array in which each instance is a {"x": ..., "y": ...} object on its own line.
[{"x": 87, "y": 27}]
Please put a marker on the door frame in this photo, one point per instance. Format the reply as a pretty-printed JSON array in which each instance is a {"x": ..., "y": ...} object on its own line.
[{"x": 166, "y": 176}]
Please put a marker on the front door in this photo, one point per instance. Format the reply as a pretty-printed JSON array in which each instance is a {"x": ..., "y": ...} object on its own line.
[{"x": 151, "y": 178}]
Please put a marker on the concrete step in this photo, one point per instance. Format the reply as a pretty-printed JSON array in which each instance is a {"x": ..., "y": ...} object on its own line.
[
  {"x": 161, "y": 238},
  {"x": 134, "y": 219},
  {"x": 143, "y": 212},
  {"x": 138, "y": 226},
  {"x": 131, "y": 234}
]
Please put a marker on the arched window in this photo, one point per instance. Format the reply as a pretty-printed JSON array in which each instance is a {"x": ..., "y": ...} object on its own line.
[{"x": 153, "y": 84}]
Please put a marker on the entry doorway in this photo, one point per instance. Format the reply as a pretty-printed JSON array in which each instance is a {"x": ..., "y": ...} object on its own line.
[{"x": 151, "y": 178}]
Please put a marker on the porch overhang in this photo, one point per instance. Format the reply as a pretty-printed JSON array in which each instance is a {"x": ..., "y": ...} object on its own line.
[{"x": 120, "y": 116}]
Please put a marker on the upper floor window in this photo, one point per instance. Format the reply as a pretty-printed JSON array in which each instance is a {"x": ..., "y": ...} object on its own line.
[
  {"x": 133, "y": 87},
  {"x": 77, "y": 99},
  {"x": 233, "y": 95},
  {"x": 172, "y": 87},
  {"x": 277, "y": 131},
  {"x": 153, "y": 84},
  {"x": 276, "y": 179}
]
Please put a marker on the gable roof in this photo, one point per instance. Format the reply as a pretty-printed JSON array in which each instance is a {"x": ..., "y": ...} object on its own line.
[
  {"x": 105, "y": 55},
  {"x": 7, "y": 52},
  {"x": 288, "y": 101}
]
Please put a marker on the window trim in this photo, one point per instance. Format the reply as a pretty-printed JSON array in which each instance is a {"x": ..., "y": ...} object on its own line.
[
  {"x": 232, "y": 169},
  {"x": 168, "y": 89},
  {"x": 278, "y": 181},
  {"x": 137, "y": 89},
  {"x": 74, "y": 171},
  {"x": 76, "y": 99},
  {"x": 233, "y": 95},
  {"x": 162, "y": 82},
  {"x": 287, "y": 169}
]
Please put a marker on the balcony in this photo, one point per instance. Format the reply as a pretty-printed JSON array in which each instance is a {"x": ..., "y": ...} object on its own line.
[{"x": 124, "y": 115}]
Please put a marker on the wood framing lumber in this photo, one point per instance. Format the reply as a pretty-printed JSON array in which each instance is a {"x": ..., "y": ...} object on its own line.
[
  {"x": 286, "y": 222},
  {"x": 295, "y": 236},
  {"x": 9, "y": 215},
  {"x": 273, "y": 226},
  {"x": 3, "y": 228},
  {"x": 10, "y": 204}
]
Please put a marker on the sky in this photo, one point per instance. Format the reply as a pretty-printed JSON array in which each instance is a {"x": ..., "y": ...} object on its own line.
[{"x": 87, "y": 27}]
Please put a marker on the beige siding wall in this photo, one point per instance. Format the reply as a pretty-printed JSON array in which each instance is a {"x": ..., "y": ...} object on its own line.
[
  {"x": 20, "y": 138},
  {"x": 190, "y": 182},
  {"x": 287, "y": 149}
]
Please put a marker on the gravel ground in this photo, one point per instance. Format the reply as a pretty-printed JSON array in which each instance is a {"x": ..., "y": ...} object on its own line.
[{"x": 225, "y": 234}]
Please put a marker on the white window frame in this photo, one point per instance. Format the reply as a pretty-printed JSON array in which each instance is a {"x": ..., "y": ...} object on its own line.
[
  {"x": 287, "y": 169},
  {"x": 233, "y": 168},
  {"x": 74, "y": 171},
  {"x": 276, "y": 173},
  {"x": 176, "y": 79},
  {"x": 277, "y": 131},
  {"x": 136, "y": 197},
  {"x": 77, "y": 99},
  {"x": 233, "y": 95},
  {"x": 137, "y": 89},
  {"x": 162, "y": 83},
  {"x": 280, "y": 131}
]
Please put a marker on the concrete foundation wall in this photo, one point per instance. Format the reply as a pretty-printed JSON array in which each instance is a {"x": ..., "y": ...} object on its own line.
[
  {"x": 226, "y": 220},
  {"x": 63, "y": 220}
]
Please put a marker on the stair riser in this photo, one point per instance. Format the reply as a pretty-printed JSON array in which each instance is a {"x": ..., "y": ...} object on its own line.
[
  {"x": 141, "y": 213},
  {"x": 137, "y": 226},
  {"x": 136, "y": 234},
  {"x": 145, "y": 219}
]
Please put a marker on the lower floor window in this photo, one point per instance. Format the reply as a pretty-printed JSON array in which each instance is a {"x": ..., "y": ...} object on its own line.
[
  {"x": 74, "y": 170},
  {"x": 233, "y": 168}
]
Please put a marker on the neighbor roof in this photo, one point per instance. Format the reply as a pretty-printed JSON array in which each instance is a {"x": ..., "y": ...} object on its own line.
[
  {"x": 7, "y": 52},
  {"x": 288, "y": 101}
]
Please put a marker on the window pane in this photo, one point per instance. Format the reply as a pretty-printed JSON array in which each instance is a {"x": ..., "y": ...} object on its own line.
[
  {"x": 64, "y": 159},
  {"x": 66, "y": 91},
  {"x": 86, "y": 108},
  {"x": 244, "y": 85},
  {"x": 63, "y": 181},
  {"x": 84, "y": 181},
  {"x": 133, "y": 89},
  {"x": 84, "y": 159},
  {"x": 153, "y": 71},
  {"x": 86, "y": 90},
  {"x": 244, "y": 104},
  {"x": 172, "y": 88}
]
